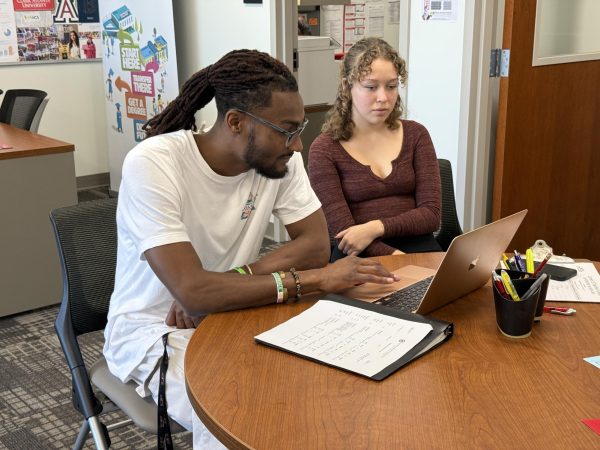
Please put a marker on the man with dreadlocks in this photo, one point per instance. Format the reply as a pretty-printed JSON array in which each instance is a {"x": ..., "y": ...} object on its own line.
[{"x": 193, "y": 209}]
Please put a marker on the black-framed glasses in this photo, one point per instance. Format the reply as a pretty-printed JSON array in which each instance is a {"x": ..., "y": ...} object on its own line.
[{"x": 291, "y": 135}]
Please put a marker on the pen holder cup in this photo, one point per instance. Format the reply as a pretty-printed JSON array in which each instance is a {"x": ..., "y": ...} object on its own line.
[
  {"x": 517, "y": 278},
  {"x": 515, "y": 318},
  {"x": 539, "y": 311}
]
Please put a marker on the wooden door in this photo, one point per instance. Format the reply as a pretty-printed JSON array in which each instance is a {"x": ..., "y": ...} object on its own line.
[{"x": 548, "y": 144}]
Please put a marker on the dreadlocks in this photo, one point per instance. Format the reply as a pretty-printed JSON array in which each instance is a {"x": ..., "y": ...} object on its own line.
[{"x": 241, "y": 79}]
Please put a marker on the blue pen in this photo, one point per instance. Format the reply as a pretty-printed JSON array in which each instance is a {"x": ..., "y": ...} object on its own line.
[{"x": 519, "y": 262}]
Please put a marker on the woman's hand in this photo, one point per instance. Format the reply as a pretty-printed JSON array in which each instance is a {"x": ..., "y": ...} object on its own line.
[
  {"x": 176, "y": 317},
  {"x": 352, "y": 271},
  {"x": 358, "y": 237}
]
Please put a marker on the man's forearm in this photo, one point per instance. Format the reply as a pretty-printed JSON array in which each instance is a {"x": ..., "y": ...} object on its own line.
[{"x": 301, "y": 253}]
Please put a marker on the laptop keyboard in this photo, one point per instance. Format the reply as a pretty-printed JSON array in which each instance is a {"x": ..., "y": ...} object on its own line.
[{"x": 408, "y": 298}]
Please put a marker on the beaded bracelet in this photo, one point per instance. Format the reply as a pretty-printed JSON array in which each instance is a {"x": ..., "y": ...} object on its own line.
[
  {"x": 280, "y": 288},
  {"x": 296, "y": 276}
]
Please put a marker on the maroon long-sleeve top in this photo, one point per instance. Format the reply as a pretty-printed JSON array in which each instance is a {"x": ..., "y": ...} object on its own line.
[{"x": 407, "y": 201}]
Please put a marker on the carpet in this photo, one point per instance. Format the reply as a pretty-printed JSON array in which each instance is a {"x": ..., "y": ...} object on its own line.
[{"x": 35, "y": 387}]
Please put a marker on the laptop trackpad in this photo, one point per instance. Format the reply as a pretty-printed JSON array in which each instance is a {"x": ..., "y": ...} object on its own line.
[{"x": 370, "y": 292}]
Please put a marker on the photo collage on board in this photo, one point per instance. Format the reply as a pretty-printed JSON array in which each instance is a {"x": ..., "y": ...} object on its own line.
[{"x": 54, "y": 30}]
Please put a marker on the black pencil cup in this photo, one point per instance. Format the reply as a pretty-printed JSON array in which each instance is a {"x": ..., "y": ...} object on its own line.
[
  {"x": 515, "y": 318},
  {"x": 517, "y": 278}
]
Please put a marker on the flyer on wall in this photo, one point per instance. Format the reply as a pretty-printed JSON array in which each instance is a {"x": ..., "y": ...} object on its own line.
[
  {"x": 140, "y": 71},
  {"x": 444, "y": 10},
  {"x": 8, "y": 38}
]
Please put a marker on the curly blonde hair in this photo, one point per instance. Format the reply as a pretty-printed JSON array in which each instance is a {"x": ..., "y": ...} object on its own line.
[{"x": 355, "y": 66}]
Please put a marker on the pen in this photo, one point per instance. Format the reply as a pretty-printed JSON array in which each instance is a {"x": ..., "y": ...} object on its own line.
[
  {"x": 542, "y": 264},
  {"x": 508, "y": 285},
  {"x": 560, "y": 310},
  {"x": 499, "y": 284},
  {"x": 534, "y": 287},
  {"x": 512, "y": 265},
  {"x": 529, "y": 260},
  {"x": 519, "y": 262}
]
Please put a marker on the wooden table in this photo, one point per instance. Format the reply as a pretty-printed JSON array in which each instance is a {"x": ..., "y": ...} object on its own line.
[
  {"x": 478, "y": 390},
  {"x": 37, "y": 174}
]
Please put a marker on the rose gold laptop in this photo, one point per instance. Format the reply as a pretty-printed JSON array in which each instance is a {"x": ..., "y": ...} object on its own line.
[{"x": 466, "y": 266}]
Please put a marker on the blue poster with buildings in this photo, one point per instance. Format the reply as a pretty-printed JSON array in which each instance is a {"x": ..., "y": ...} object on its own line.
[{"x": 140, "y": 71}]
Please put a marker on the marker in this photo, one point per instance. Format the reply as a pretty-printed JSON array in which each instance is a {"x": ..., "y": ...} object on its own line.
[
  {"x": 560, "y": 310},
  {"x": 505, "y": 259},
  {"x": 509, "y": 286},
  {"x": 542, "y": 264},
  {"x": 529, "y": 260}
]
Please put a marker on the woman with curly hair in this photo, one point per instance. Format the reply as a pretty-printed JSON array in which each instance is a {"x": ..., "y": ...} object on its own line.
[{"x": 375, "y": 174}]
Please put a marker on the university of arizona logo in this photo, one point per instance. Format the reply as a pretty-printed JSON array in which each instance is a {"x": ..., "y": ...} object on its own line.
[{"x": 248, "y": 207}]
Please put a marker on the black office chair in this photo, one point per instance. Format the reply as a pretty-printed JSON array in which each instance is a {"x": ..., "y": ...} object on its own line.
[
  {"x": 86, "y": 236},
  {"x": 449, "y": 225},
  {"x": 19, "y": 107},
  {"x": 37, "y": 118}
]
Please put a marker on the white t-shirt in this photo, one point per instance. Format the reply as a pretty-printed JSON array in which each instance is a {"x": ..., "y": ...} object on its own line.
[{"x": 170, "y": 194}]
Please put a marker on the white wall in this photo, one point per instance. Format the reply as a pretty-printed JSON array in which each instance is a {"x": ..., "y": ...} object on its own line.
[
  {"x": 206, "y": 30},
  {"x": 435, "y": 66},
  {"x": 75, "y": 112}
]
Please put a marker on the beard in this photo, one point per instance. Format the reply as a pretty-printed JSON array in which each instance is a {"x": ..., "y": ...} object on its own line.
[{"x": 259, "y": 163}]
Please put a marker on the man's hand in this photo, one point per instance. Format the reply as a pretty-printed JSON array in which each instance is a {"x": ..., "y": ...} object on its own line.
[
  {"x": 351, "y": 271},
  {"x": 358, "y": 237},
  {"x": 177, "y": 317}
]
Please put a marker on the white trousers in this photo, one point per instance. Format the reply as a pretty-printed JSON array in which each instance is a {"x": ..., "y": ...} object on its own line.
[{"x": 179, "y": 407}]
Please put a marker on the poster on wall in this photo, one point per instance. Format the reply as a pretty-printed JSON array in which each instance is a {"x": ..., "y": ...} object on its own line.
[
  {"x": 350, "y": 23},
  {"x": 49, "y": 30},
  {"x": 140, "y": 71},
  {"x": 332, "y": 18},
  {"x": 362, "y": 20},
  {"x": 8, "y": 27}
]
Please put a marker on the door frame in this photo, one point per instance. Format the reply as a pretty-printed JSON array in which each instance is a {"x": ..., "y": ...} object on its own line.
[{"x": 478, "y": 113}]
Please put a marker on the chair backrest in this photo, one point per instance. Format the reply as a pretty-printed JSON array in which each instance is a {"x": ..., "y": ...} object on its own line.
[
  {"x": 86, "y": 236},
  {"x": 35, "y": 123},
  {"x": 19, "y": 107},
  {"x": 449, "y": 225}
]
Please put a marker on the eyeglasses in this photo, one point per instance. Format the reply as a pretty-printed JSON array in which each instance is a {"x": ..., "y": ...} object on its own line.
[{"x": 291, "y": 135}]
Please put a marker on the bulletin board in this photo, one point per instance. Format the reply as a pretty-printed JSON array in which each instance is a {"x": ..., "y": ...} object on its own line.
[{"x": 50, "y": 30}]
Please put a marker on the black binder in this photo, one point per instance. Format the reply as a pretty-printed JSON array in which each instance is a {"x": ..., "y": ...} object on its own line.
[{"x": 441, "y": 332}]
